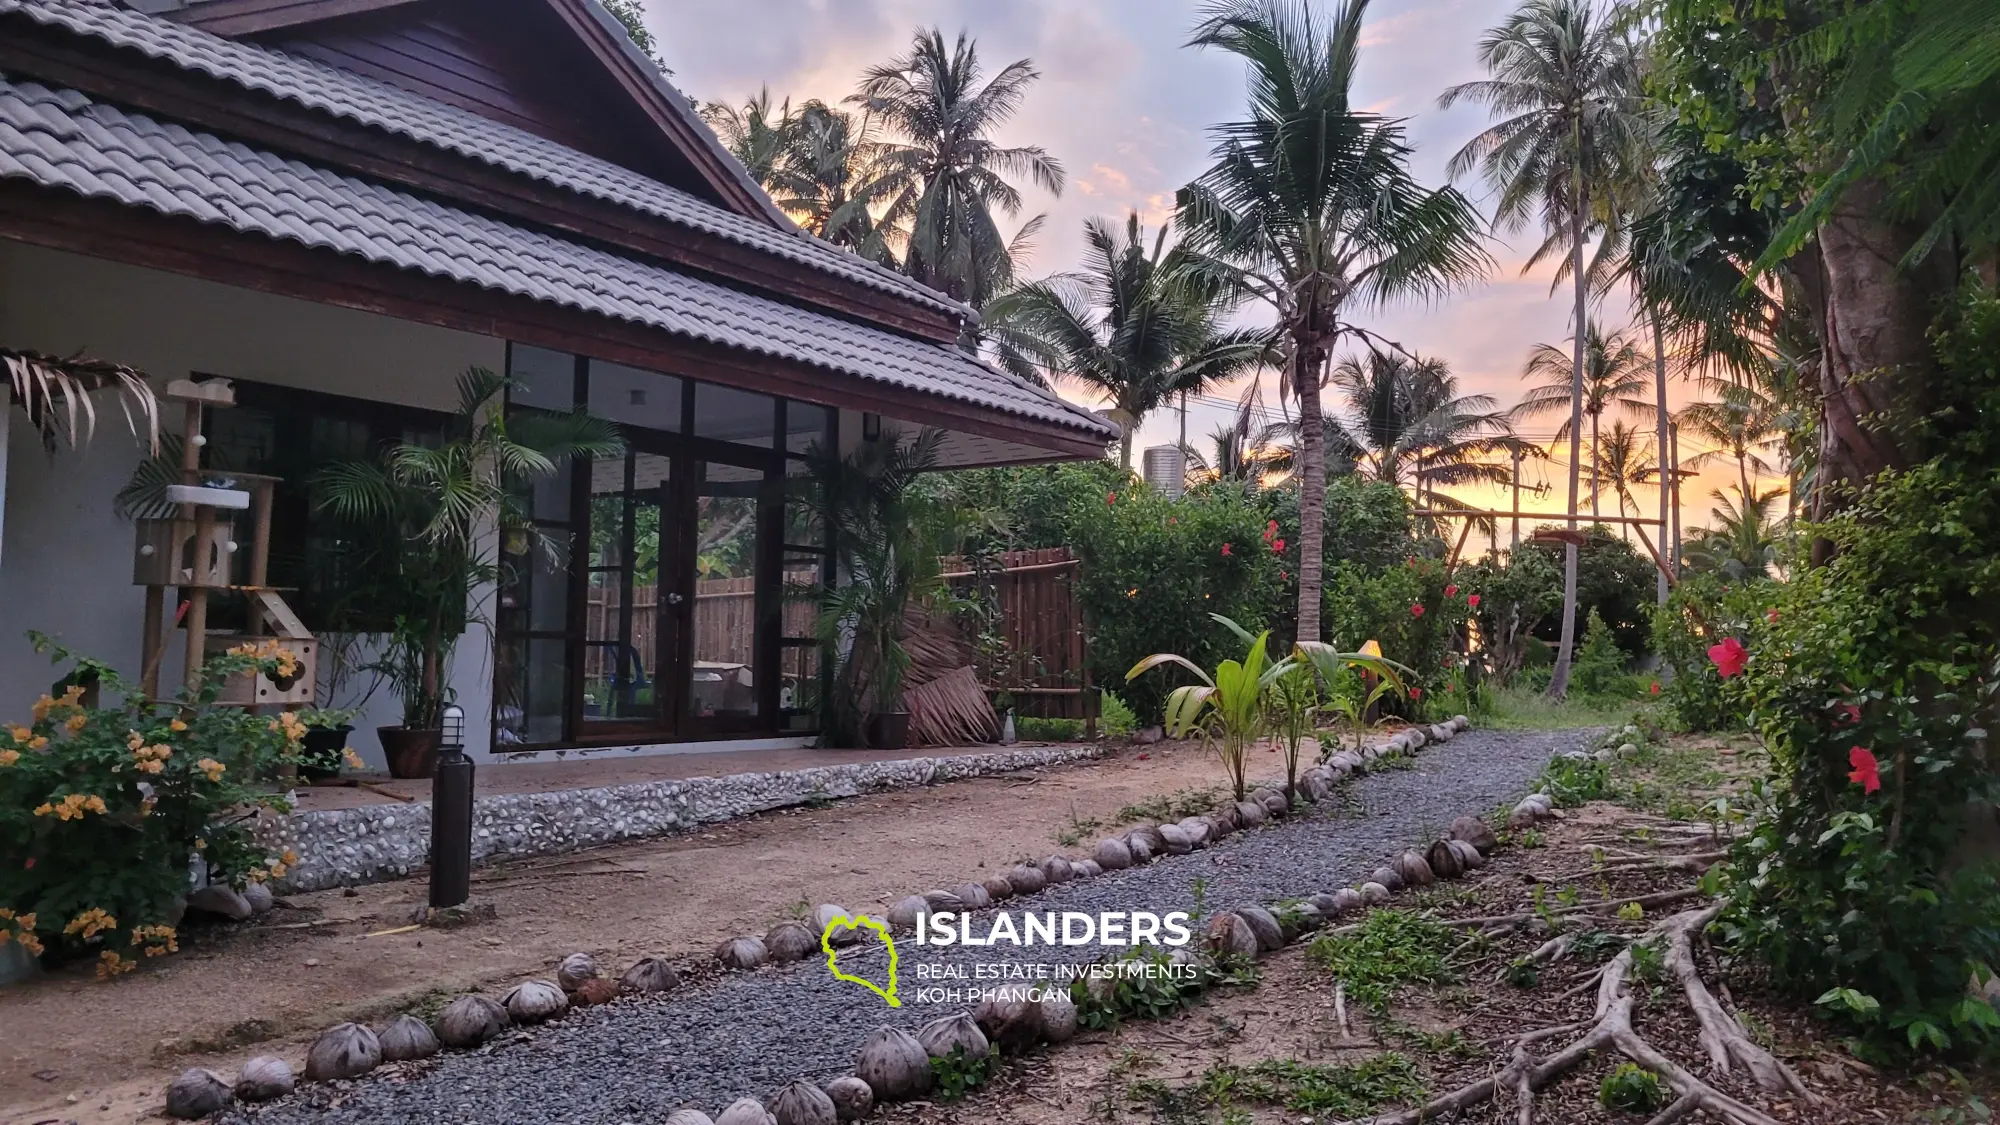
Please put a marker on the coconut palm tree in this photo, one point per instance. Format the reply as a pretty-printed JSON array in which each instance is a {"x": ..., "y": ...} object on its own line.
[
  {"x": 1743, "y": 542},
  {"x": 1132, "y": 325},
  {"x": 950, "y": 175},
  {"x": 1565, "y": 79},
  {"x": 1414, "y": 430},
  {"x": 1615, "y": 380},
  {"x": 1739, "y": 425},
  {"x": 835, "y": 175},
  {"x": 757, "y": 133},
  {"x": 1622, "y": 461},
  {"x": 1311, "y": 207},
  {"x": 55, "y": 392}
]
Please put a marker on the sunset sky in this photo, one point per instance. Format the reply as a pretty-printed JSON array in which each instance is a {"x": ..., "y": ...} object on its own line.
[{"x": 1127, "y": 109}]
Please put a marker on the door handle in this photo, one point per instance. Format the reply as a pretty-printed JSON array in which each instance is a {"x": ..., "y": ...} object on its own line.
[{"x": 674, "y": 599}]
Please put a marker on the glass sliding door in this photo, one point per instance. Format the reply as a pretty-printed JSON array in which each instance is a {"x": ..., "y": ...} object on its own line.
[
  {"x": 627, "y": 624},
  {"x": 726, "y": 667}
]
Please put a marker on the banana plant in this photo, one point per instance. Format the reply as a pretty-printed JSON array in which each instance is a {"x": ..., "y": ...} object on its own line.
[{"x": 1227, "y": 707}]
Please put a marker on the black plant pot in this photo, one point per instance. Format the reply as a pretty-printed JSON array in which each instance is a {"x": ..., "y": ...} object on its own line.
[
  {"x": 889, "y": 730},
  {"x": 325, "y": 744},
  {"x": 412, "y": 754}
]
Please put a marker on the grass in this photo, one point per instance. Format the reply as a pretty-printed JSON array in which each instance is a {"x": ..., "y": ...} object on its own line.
[
  {"x": 1520, "y": 708},
  {"x": 1673, "y": 780},
  {"x": 1333, "y": 1091},
  {"x": 1391, "y": 948},
  {"x": 1167, "y": 808}
]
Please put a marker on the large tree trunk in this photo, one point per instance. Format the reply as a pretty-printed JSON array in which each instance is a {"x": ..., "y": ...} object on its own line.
[
  {"x": 1559, "y": 678},
  {"x": 1660, "y": 438},
  {"x": 1596, "y": 456},
  {"x": 1307, "y": 362}
]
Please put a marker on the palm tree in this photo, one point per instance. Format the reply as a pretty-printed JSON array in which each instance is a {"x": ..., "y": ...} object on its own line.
[
  {"x": 1414, "y": 430},
  {"x": 1620, "y": 463},
  {"x": 1741, "y": 425},
  {"x": 758, "y": 135},
  {"x": 1614, "y": 380},
  {"x": 834, "y": 177},
  {"x": 1743, "y": 543},
  {"x": 950, "y": 175},
  {"x": 1566, "y": 80},
  {"x": 1132, "y": 325},
  {"x": 1311, "y": 207},
  {"x": 1243, "y": 451},
  {"x": 55, "y": 392}
]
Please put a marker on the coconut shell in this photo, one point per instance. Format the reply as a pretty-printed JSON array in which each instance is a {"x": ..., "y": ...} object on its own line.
[
  {"x": 823, "y": 916},
  {"x": 533, "y": 1001},
  {"x": 346, "y": 1050},
  {"x": 972, "y": 895},
  {"x": 997, "y": 888},
  {"x": 1275, "y": 803},
  {"x": 946, "y": 1034},
  {"x": 1176, "y": 839},
  {"x": 1467, "y": 854},
  {"x": 1150, "y": 833},
  {"x": 263, "y": 1078},
  {"x": 1300, "y": 918},
  {"x": 1542, "y": 801},
  {"x": 803, "y": 1103},
  {"x": 1327, "y": 905},
  {"x": 1056, "y": 1013},
  {"x": 1200, "y": 832},
  {"x": 1388, "y": 877},
  {"x": 1416, "y": 872},
  {"x": 1229, "y": 933},
  {"x": 689, "y": 1117},
  {"x": 894, "y": 1065},
  {"x": 745, "y": 952},
  {"x": 1374, "y": 894},
  {"x": 1263, "y": 923},
  {"x": 1085, "y": 868},
  {"x": 1250, "y": 814},
  {"x": 1231, "y": 817},
  {"x": 1315, "y": 787},
  {"x": 746, "y": 1111},
  {"x": 470, "y": 1021},
  {"x": 1346, "y": 900},
  {"x": 1009, "y": 1017},
  {"x": 594, "y": 991},
  {"x": 652, "y": 974},
  {"x": 197, "y": 1093},
  {"x": 1026, "y": 880},
  {"x": 1525, "y": 815},
  {"x": 574, "y": 970},
  {"x": 852, "y": 1099},
  {"x": 1142, "y": 852},
  {"x": 1444, "y": 861},
  {"x": 904, "y": 915},
  {"x": 944, "y": 900},
  {"x": 1056, "y": 869},
  {"x": 790, "y": 941},
  {"x": 1473, "y": 831},
  {"x": 405, "y": 1038}
]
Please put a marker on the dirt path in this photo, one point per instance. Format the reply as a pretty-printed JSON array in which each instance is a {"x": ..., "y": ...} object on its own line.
[{"x": 102, "y": 1052}]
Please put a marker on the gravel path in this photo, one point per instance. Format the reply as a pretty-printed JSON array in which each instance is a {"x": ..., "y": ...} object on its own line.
[{"x": 747, "y": 1035}]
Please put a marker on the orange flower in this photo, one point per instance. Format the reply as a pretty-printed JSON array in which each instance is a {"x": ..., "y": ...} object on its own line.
[
  {"x": 177, "y": 725},
  {"x": 75, "y": 723},
  {"x": 21, "y": 734},
  {"x": 90, "y": 923},
  {"x": 9, "y": 757},
  {"x": 110, "y": 964},
  {"x": 212, "y": 768},
  {"x": 38, "y": 742}
]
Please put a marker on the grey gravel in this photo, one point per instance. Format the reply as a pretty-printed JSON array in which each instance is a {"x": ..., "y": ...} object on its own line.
[{"x": 750, "y": 1034}]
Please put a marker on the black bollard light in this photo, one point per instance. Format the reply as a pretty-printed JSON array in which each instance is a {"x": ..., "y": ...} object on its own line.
[{"x": 451, "y": 816}]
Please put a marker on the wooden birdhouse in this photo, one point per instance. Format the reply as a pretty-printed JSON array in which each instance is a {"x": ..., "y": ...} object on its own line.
[{"x": 282, "y": 627}]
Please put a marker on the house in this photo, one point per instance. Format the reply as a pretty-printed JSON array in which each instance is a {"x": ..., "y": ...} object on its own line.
[{"x": 340, "y": 205}]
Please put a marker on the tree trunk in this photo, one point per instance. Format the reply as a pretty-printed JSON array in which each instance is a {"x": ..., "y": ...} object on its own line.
[
  {"x": 1596, "y": 456},
  {"x": 1660, "y": 446},
  {"x": 1125, "y": 445},
  {"x": 1306, "y": 364},
  {"x": 1559, "y": 678}
]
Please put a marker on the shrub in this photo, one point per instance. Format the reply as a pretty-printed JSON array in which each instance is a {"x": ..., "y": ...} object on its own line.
[
  {"x": 1703, "y": 610},
  {"x": 105, "y": 805},
  {"x": 1633, "y": 1089},
  {"x": 1364, "y": 605},
  {"x": 1614, "y": 579},
  {"x": 1600, "y": 663}
]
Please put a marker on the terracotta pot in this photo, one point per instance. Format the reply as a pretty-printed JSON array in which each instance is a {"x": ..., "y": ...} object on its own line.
[
  {"x": 321, "y": 741},
  {"x": 889, "y": 730},
  {"x": 411, "y": 753}
]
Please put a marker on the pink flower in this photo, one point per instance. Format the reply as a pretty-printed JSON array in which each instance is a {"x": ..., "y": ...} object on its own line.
[
  {"x": 1771, "y": 615},
  {"x": 1284, "y": 576},
  {"x": 1451, "y": 591},
  {"x": 1277, "y": 544},
  {"x": 1729, "y": 656},
  {"x": 1473, "y": 601},
  {"x": 1848, "y": 713},
  {"x": 1111, "y": 498},
  {"x": 1225, "y": 550},
  {"x": 1867, "y": 772},
  {"x": 1416, "y": 611},
  {"x": 1656, "y": 687},
  {"x": 1270, "y": 529},
  {"x": 1416, "y": 693}
]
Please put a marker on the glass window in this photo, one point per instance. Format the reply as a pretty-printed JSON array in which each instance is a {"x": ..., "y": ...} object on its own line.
[
  {"x": 632, "y": 397},
  {"x": 542, "y": 378},
  {"x": 807, "y": 425},
  {"x": 727, "y": 414},
  {"x": 532, "y": 677},
  {"x": 722, "y": 680}
]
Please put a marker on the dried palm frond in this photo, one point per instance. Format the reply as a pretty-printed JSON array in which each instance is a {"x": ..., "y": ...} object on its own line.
[{"x": 56, "y": 394}]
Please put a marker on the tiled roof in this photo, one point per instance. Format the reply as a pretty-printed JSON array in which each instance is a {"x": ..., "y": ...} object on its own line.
[
  {"x": 64, "y": 140},
  {"x": 339, "y": 93}
]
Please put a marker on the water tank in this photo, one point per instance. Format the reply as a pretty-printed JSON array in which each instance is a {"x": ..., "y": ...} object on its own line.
[{"x": 1166, "y": 469}]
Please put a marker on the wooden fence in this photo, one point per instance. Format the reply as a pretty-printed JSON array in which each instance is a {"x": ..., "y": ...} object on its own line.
[
  {"x": 725, "y": 616},
  {"x": 1041, "y": 622}
]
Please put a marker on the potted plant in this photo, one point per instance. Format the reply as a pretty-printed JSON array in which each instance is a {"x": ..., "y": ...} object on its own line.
[
  {"x": 324, "y": 748},
  {"x": 421, "y": 512},
  {"x": 887, "y": 558}
]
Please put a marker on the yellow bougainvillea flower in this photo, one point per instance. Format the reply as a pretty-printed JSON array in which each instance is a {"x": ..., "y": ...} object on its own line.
[
  {"x": 352, "y": 759},
  {"x": 9, "y": 757},
  {"x": 212, "y": 768},
  {"x": 75, "y": 723},
  {"x": 21, "y": 734},
  {"x": 178, "y": 725}
]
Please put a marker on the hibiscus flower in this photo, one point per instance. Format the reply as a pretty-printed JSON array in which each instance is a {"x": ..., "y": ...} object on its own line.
[
  {"x": 1473, "y": 601},
  {"x": 1451, "y": 591},
  {"x": 1729, "y": 657},
  {"x": 1416, "y": 611},
  {"x": 1867, "y": 771},
  {"x": 1225, "y": 550}
]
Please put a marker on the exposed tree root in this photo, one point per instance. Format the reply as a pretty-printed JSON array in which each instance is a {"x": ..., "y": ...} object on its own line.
[
  {"x": 1502, "y": 921},
  {"x": 1612, "y": 1029},
  {"x": 1721, "y": 1036}
]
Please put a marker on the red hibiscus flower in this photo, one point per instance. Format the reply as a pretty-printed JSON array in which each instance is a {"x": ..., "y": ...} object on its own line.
[
  {"x": 1111, "y": 498},
  {"x": 1848, "y": 713},
  {"x": 1416, "y": 611},
  {"x": 1867, "y": 772},
  {"x": 1451, "y": 591},
  {"x": 1771, "y": 615},
  {"x": 1225, "y": 550},
  {"x": 1284, "y": 576},
  {"x": 1656, "y": 687},
  {"x": 1270, "y": 529},
  {"x": 1473, "y": 601},
  {"x": 1277, "y": 544},
  {"x": 1416, "y": 693},
  {"x": 1729, "y": 656}
]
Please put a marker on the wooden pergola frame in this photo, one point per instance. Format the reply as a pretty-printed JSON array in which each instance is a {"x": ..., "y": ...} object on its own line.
[{"x": 1637, "y": 523}]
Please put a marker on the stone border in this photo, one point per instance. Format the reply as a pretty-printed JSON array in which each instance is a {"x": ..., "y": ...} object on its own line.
[{"x": 344, "y": 847}]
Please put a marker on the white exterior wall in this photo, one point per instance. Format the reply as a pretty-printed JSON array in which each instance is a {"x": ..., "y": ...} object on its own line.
[{"x": 66, "y": 560}]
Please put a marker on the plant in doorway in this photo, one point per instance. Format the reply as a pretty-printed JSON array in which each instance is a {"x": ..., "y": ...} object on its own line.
[
  {"x": 887, "y": 557},
  {"x": 427, "y": 515}
]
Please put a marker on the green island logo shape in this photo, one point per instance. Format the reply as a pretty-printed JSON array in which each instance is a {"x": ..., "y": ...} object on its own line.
[{"x": 843, "y": 922}]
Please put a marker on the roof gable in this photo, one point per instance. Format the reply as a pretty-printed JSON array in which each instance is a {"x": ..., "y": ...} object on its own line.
[{"x": 563, "y": 69}]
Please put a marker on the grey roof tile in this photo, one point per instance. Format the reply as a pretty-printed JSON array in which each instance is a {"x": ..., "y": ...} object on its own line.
[
  {"x": 260, "y": 193},
  {"x": 330, "y": 90}
]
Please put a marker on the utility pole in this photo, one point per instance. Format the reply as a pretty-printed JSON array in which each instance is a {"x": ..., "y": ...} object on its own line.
[
  {"x": 1674, "y": 447},
  {"x": 1517, "y": 499}
]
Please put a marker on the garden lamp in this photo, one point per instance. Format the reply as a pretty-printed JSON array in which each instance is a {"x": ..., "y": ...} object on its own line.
[{"x": 451, "y": 814}]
